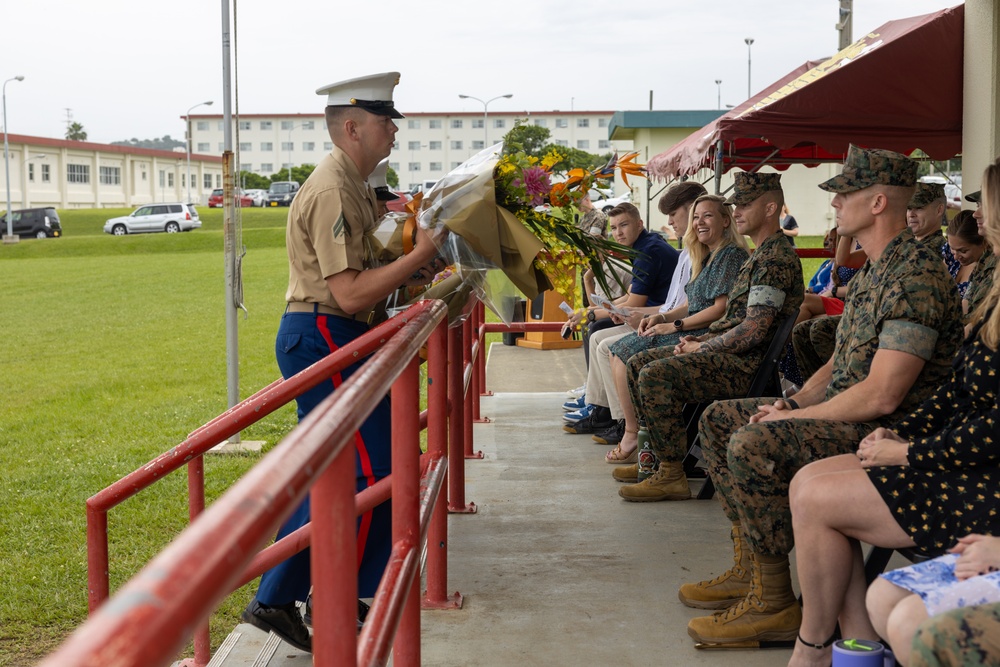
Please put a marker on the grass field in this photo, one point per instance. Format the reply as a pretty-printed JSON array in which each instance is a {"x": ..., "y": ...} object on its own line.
[{"x": 115, "y": 350}]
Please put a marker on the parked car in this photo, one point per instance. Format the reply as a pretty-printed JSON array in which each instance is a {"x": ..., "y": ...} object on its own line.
[
  {"x": 399, "y": 205},
  {"x": 281, "y": 193},
  {"x": 602, "y": 201},
  {"x": 170, "y": 218},
  {"x": 215, "y": 199},
  {"x": 41, "y": 223},
  {"x": 259, "y": 197}
]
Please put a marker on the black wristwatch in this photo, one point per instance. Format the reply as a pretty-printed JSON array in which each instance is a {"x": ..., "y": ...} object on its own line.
[
  {"x": 591, "y": 317},
  {"x": 679, "y": 325}
]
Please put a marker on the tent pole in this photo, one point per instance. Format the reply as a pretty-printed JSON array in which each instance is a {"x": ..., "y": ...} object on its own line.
[{"x": 718, "y": 167}]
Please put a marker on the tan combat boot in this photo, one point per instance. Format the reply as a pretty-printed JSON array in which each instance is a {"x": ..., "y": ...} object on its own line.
[
  {"x": 668, "y": 483},
  {"x": 726, "y": 589},
  {"x": 628, "y": 474},
  {"x": 769, "y": 612}
]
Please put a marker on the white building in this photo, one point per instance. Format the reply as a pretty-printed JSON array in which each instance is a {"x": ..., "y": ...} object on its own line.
[
  {"x": 82, "y": 174},
  {"x": 428, "y": 145}
]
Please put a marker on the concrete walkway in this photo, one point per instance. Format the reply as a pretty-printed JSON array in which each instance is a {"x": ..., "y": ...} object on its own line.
[{"x": 555, "y": 568}]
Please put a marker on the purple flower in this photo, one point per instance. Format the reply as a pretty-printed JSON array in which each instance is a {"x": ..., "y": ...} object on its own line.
[{"x": 536, "y": 184}]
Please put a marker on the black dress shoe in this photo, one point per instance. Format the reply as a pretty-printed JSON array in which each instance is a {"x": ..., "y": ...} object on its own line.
[
  {"x": 283, "y": 620},
  {"x": 362, "y": 612},
  {"x": 612, "y": 435},
  {"x": 588, "y": 425}
]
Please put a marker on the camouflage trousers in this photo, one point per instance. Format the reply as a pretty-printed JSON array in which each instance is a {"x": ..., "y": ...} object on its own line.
[
  {"x": 961, "y": 637},
  {"x": 813, "y": 341},
  {"x": 752, "y": 465},
  {"x": 660, "y": 384}
]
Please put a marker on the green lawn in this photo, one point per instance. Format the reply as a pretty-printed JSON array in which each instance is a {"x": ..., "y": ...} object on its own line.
[{"x": 115, "y": 350}]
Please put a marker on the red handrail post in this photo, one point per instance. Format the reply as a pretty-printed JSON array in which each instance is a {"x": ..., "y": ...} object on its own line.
[
  {"x": 406, "y": 504},
  {"x": 98, "y": 582},
  {"x": 456, "y": 428},
  {"x": 196, "y": 505},
  {"x": 437, "y": 596},
  {"x": 478, "y": 365},
  {"x": 334, "y": 564},
  {"x": 469, "y": 391},
  {"x": 481, "y": 359}
]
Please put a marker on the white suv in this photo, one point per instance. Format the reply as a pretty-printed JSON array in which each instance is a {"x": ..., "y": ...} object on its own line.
[
  {"x": 170, "y": 218},
  {"x": 603, "y": 201}
]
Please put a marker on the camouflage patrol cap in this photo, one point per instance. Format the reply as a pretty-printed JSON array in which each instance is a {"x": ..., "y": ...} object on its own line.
[
  {"x": 865, "y": 167},
  {"x": 925, "y": 195},
  {"x": 974, "y": 197},
  {"x": 750, "y": 186}
]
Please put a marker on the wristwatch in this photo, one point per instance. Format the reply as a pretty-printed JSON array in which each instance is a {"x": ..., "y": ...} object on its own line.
[
  {"x": 679, "y": 325},
  {"x": 591, "y": 317}
]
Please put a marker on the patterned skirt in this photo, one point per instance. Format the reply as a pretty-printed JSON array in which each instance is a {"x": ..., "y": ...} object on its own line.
[{"x": 633, "y": 344}]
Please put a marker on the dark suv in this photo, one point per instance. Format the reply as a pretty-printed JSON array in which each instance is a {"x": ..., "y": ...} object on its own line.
[
  {"x": 38, "y": 222},
  {"x": 281, "y": 193}
]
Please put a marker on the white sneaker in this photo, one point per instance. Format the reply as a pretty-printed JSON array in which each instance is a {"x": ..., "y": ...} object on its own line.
[{"x": 578, "y": 392}]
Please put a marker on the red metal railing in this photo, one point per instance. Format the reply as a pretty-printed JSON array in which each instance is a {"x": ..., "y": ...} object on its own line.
[{"x": 145, "y": 622}]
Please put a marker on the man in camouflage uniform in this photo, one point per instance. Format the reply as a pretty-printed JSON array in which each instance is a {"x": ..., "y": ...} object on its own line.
[
  {"x": 925, "y": 215},
  {"x": 982, "y": 276},
  {"x": 895, "y": 344},
  {"x": 959, "y": 638},
  {"x": 721, "y": 363},
  {"x": 813, "y": 342}
]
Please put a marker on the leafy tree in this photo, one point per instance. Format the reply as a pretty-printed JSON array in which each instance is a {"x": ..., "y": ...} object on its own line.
[
  {"x": 392, "y": 178},
  {"x": 165, "y": 143},
  {"x": 574, "y": 158},
  {"x": 252, "y": 181},
  {"x": 75, "y": 132},
  {"x": 530, "y": 139},
  {"x": 299, "y": 174}
]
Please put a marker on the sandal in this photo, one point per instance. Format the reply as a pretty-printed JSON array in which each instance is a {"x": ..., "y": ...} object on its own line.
[{"x": 616, "y": 456}]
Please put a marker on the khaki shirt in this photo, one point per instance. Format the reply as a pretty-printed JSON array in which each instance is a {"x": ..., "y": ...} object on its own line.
[
  {"x": 772, "y": 277},
  {"x": 904, "y": 301},
  {"x": 331, "y": 225}
]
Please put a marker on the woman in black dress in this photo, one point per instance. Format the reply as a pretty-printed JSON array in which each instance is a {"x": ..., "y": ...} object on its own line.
[{"x": 930, "y": 480}]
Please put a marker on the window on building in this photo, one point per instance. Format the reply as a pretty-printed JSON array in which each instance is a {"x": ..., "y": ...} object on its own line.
[
  {"x": 222, "y": 146},
  {"x": 603, "y": 143},
  {"x": 477, "y": 124},
  {"x": 395, "y": 146},
  {"x": 207, "y": 182},
  {"x": 434, "y": 124},
  {"x": 46, "y": 174},
  {"x": 286, "y": 124},
  {"x": 499, "y": 123},
  {"x": 219, "y": 126},
  {"x": 218, "y": 180},
  {"x": 246, "y": 146},
  {"x": 266, "y": 167},
  {"x": 414, "y": 166},
  {"x": 456, "y": 165},
  {"x": 562, "y": 122},
  {"x": 434, "y": 145},
  {"x": 308, "y": 145},
  {"x": 479, "y": 145},
  {"x": 583, "y": 144},
  {"x": 456, "y": 124},
  {"x": 244, "y": 125},
  {"x": 413, "y": 145},
  {"x": 202, "y": 125},
  {"x": 183, "y": 181},
  {"x": 288, "y": 145},
  {"x": 110, "y": 175},
  {"x": 204, "y": 147},
  {"x": 394, "y": 166},
  {"x": 456, "y": 145},
  {"x": 170, "y": 179},
  {"x": 562, "y": 142},
  {"x": 264, "y": 125},
  {"x": 435, "y": 166},
  {"x": 31, "y": 172},
  {"x": 602, "y": 122},
  {"x": 541, "y": 122},
  {"x": 583, "y": 122},
  {"x": 328, "y": 145},
  {"x": 163, "y": 178},
  {"x": 308, "y": 125},
  {"x": 78, "y": 173},
  {"x": 413, "y": 124}
]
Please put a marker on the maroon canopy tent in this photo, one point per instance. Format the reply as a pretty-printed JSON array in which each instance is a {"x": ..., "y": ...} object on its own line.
[{"x": 898, "y": 87}]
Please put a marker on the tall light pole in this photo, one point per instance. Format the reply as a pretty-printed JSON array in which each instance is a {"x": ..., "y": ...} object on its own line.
[
  {"x": 749, "y": 43},
  {"x": 718, "y": 85},
  {"x": 290, "y": 128},
  {"x": 24, "y": 189},
  {"x": 486, "y": 106},
  {"x": 6, "y": 162},
  {"x": 187, "y": 117}
]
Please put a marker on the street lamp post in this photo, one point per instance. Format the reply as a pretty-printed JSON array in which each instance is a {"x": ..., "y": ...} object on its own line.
[
  {"x": 718, "y": 84},
  {"x": 486, "y": 106},
  {"x": 6, "y": 161},
  {"x": 290, "y": 128},
  {"x": 749, "y": 43},
  {"x": 24, "y": 189},
  {"x": 187, "y": 117}
]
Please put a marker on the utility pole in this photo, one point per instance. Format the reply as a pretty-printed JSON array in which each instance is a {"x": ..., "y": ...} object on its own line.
[{"x": 844, "y": 24}]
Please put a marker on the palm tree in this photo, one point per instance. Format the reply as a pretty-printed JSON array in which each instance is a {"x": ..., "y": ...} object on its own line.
[{"x": 75, "y": 132}]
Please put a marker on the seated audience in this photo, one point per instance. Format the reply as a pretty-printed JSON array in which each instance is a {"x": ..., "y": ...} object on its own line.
[
  {"x": 820, "y": 282},
  {"x": 925, "y": 215},
  {"x": 964, "y": 248},
  {"x": 982, "y": 276},
  {"x": 925, "y": 483}
]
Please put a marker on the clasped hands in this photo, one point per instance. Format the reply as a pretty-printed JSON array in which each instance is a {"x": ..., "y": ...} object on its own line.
[
  {"x": 978, "y": 554},
  {"x": 883, "y": 447}
]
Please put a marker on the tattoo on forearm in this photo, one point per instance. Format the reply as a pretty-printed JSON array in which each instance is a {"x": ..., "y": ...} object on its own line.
[{"x": 746, "y": 335}]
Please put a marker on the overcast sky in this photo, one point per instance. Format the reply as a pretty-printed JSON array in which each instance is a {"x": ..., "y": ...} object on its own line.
[{"x": 132, "y": 69}]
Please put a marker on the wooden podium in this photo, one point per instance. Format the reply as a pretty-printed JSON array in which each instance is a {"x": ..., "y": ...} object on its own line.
[{"x": 546, "y": 309}]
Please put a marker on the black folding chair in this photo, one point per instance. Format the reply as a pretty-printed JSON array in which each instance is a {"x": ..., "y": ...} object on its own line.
[{"x": 765, "y": 382}]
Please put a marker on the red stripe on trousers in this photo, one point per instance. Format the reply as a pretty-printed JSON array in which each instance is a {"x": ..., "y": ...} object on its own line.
[{"x": 359, "y": 445}]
